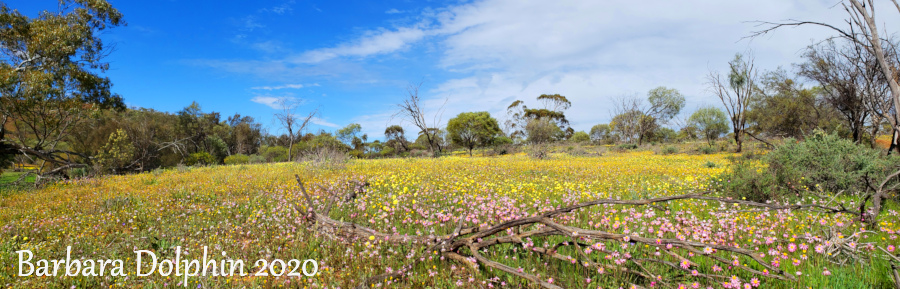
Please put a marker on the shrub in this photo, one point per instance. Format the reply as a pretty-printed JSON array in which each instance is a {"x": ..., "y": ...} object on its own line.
[
  {"x": 826, "y": 160},
  {"x": 708, "y": 150},
  {"x": 237, "y": 159},
  {"x": 357, "y": 154},
  {"x": 202, "y": 158},
  {"x": 275, "y": 153},
  {"x": 748, "y": 181},
  {"x": 669, "y": 150},
  {"x": 627, "y": 146},
  {"x": 580, "y": 137},
  {"x": 257, "y": 159},
  {"x": 324, "y": 157}
]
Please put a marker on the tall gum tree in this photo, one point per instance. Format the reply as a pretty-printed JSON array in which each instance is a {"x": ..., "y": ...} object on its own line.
[{"x": 50, "y": 78}]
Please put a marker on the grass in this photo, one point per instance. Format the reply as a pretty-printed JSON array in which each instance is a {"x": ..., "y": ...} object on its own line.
[
  {"x": 10, "y": 177},
  {"x": 247, "y": 211}
]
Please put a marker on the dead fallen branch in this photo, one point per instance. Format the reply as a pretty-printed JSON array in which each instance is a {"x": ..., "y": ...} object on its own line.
[{"x": 466, "y": 245}]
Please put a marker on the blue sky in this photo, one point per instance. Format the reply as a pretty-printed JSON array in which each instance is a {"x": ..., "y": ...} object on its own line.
[{"x": 353, "y": 59}]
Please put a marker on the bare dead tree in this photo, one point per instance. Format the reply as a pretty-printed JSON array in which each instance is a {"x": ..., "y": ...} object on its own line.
[
  {"x": 863, "y": 32},
  {"x": 735, "y": 91},
  {"x": 841, "y": 71},
  {"x": 411, "y": 110},
  {"x": 292, "y": 122},
  {"x": 626, "y": 118}
]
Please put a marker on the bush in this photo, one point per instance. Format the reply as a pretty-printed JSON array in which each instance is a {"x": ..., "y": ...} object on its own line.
[
  {"x": 238, "y": 159},
  {"x": 202, "y": 158},
  {"x": 824, "y": 160},
  {"x": 257, "y": 159},
  {"x": 668, "y": 150},
  {"x": 708, "y": 150},
  {"x": 357, "y": 154},
  {"x": 324, "y": 157},
  {"x": 747, "y": 181},
  {"x": 827, "y": 160},
  {"x": 627, "y": 146},
  {"x": 274, "y": 153}
]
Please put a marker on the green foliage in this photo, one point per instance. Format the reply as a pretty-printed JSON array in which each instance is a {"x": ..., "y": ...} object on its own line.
[
  {"x": 274, "y": 153},
  {"x": 238, "y": 159},
  {"x": 663, "y": 135},
  {"x": 665, "y": 103},
  {"x": 473, "y": 129},
  {"x": 347, "y": 133},
  {"x": 627, "y": 146},
  {"x": 216, "y": 147},
  {"x": 502, "y": 141},
  {"x": 634, "y": 125},
  {"x": 326, "y": 140},
  {"x": 669, "y": 150},
  {"x": 580, "y": 136},
  {"x": 395, "y": 138},
  {"x": 257, "y": 159},
  {"x": 821, "y": 162},
  {"x": 357, "y": 154},
  {"x": 542, "y": 130},
  {"x": 117, "y": 152},
  {"x": 603, "y": 133},
  {"x": 785, "y": 108},
  {"x": 708, "y": 150},
  {"x": 554, "y": 109},
  {"x": 50, "y": 75},
  {"x": 710, "y": 121},
  {"x": 201, "y": 158},
  {"x": 746, "y": 180},
  {"x": 7, "y": 153},
  {"x": 826, "y": 160}
]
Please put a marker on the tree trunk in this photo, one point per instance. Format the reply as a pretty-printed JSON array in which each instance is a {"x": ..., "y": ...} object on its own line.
[
  {"x": 737, "y": 140},
  {"x": 290, "y": 148},
  {"x": 895, "y": 136}
]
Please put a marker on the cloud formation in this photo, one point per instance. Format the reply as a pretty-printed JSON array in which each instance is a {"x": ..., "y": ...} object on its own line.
[
  {"x": 291, "y": 86},
  {"x": 490, "y": 52},
  {"x": 276, "y": 102}
]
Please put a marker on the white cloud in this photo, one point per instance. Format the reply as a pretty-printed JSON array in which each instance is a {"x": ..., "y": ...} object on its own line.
[
  {"x": 496, "y": 51},
  {"x": 249, "y": 23},
  {"x": 322, "y": 122},
  {"x": 285, "y": 86},
  {"x": 280, "y": 9},
  {"x": 375, "y": 42},
  {"x": 276, "y": 101},
  {"x": 393, "y": 11},
  {"x": 592, "y": 51}
]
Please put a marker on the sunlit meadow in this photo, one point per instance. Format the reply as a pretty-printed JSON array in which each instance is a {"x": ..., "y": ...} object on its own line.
[{"x": 249, "y": 212}]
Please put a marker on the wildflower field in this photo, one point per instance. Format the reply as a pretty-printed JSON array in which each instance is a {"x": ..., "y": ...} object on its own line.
[{"x": 251, "y": 212}]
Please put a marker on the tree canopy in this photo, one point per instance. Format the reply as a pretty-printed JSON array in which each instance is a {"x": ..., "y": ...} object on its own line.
[
  {"x": 473, "y": 129},
  {"x": 710, "y": 121},
  {"x": 50, "y": 77}
]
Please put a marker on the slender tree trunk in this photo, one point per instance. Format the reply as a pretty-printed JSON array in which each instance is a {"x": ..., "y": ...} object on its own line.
[
  {"x": 737, "y": 140},
  {"x": 894, "y": 137},
  {"x": 875, "y": 42}
]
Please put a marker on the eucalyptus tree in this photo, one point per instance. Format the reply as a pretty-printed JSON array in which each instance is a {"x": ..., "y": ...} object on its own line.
[
  {"x": 50, "y": 78},
  {"x": 473, "y": 129},
  {"x": 735, "y": 90}
]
